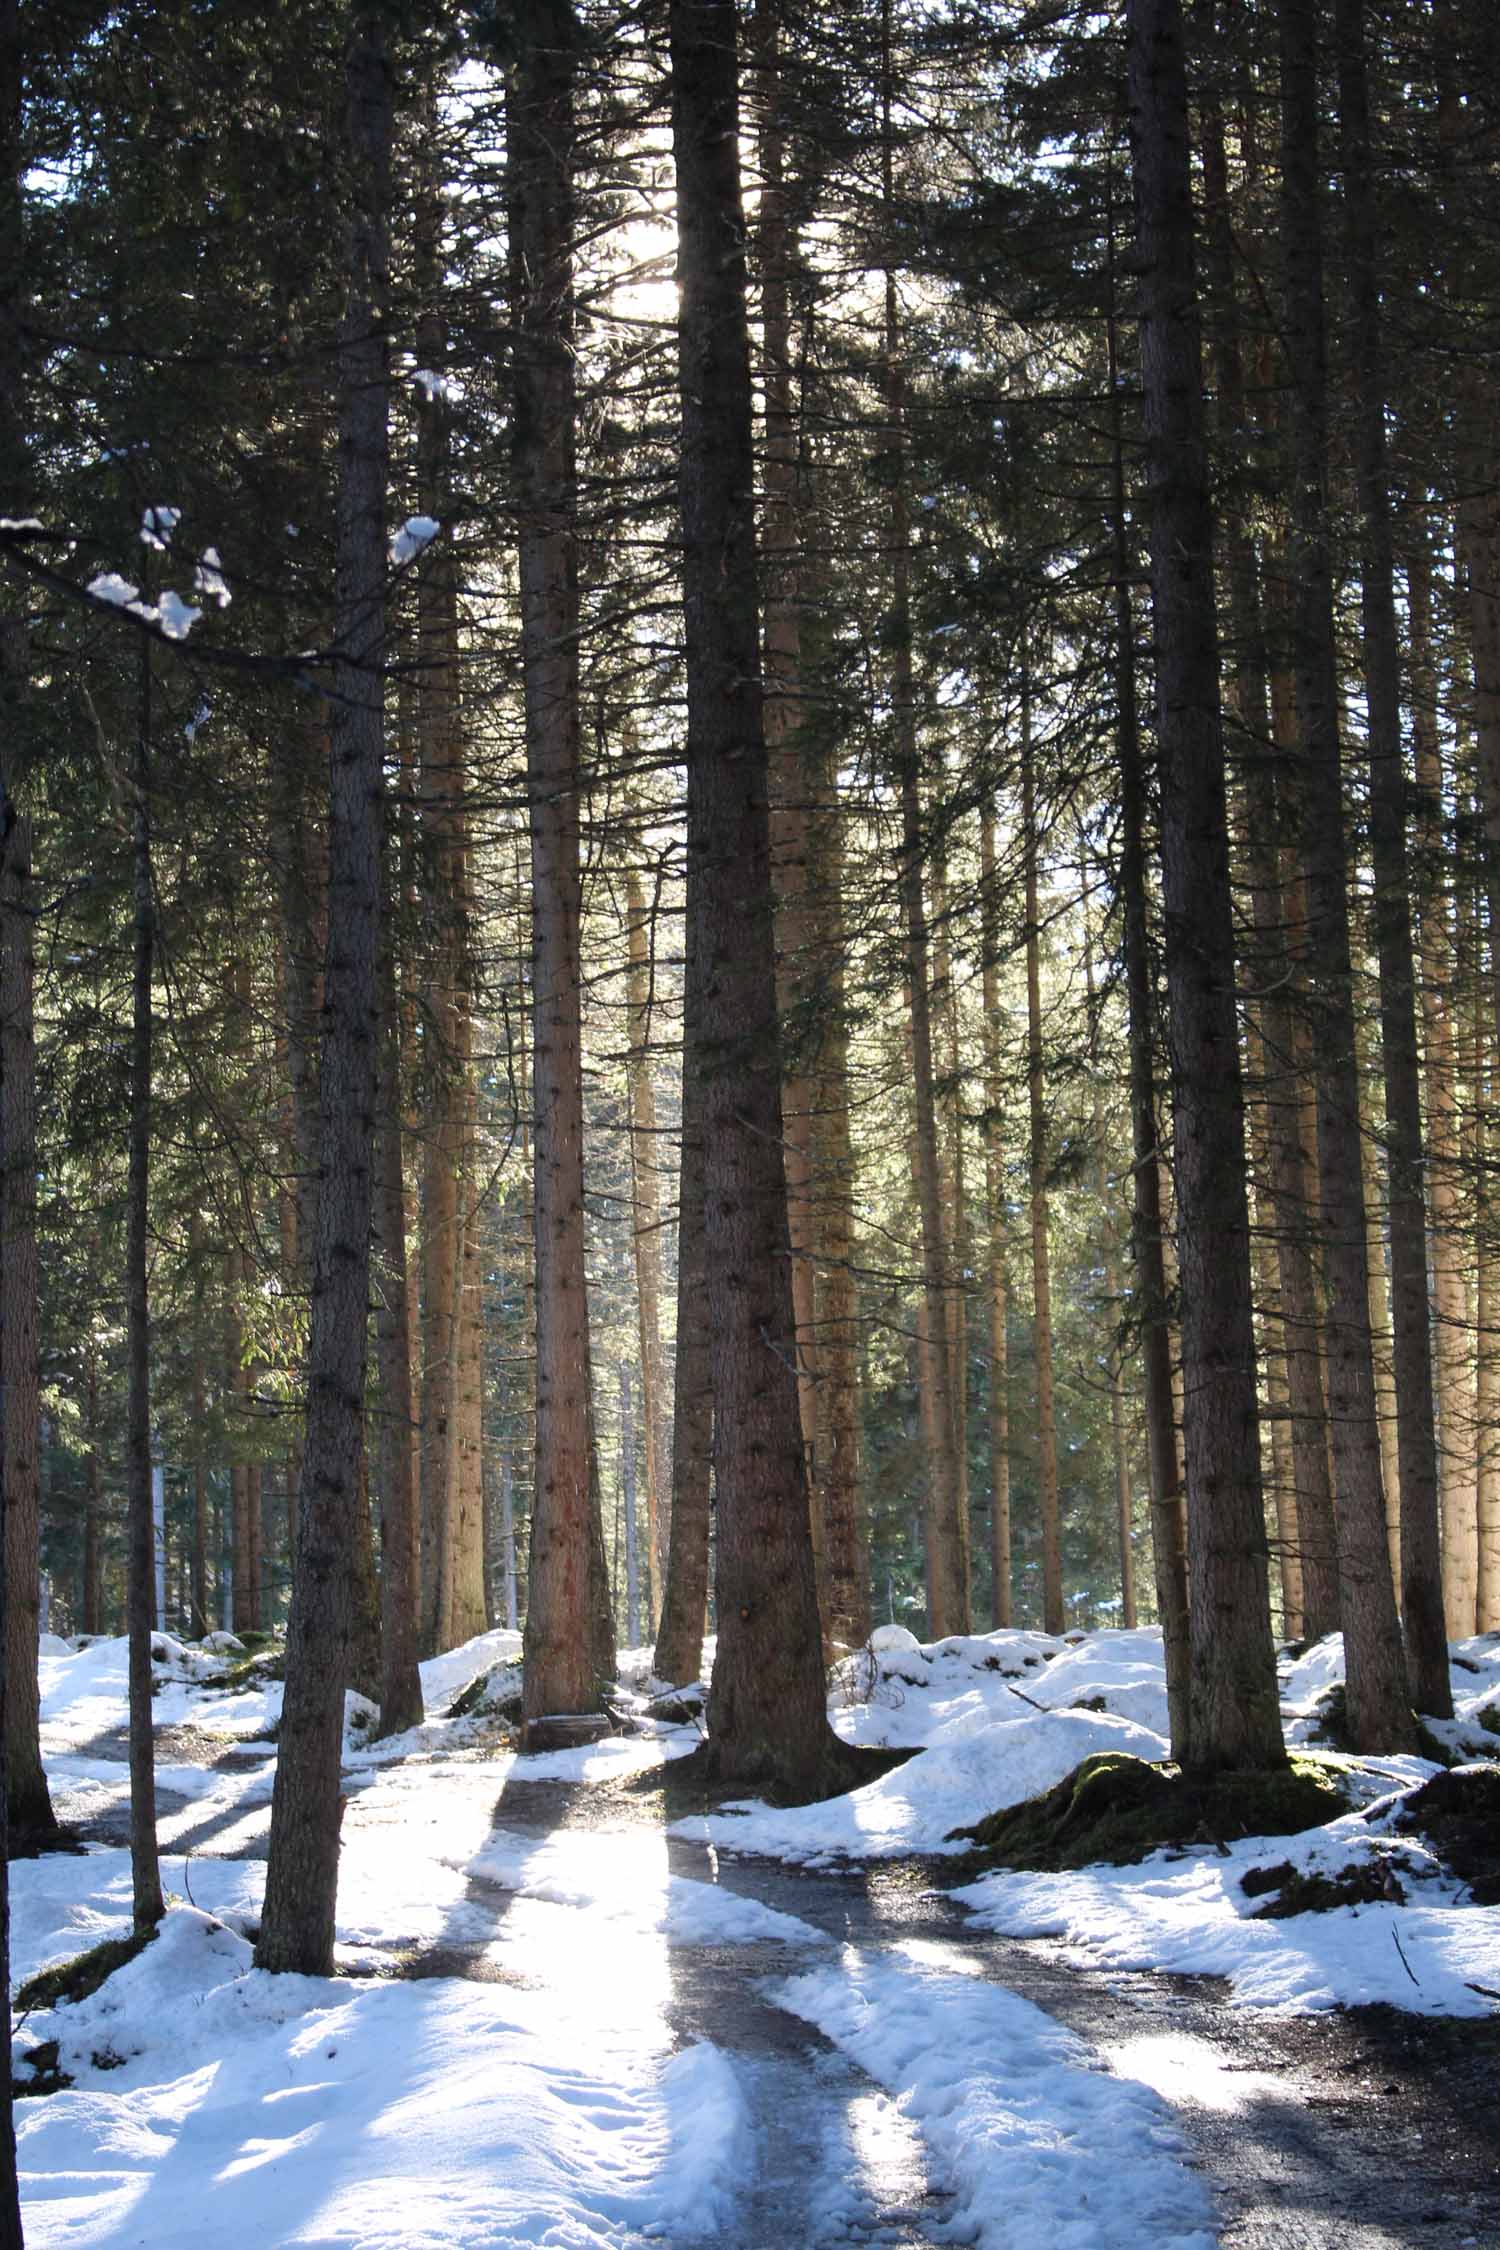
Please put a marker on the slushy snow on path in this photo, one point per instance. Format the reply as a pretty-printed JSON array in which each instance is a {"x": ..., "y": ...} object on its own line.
[{"x": 544, "y": 2095}]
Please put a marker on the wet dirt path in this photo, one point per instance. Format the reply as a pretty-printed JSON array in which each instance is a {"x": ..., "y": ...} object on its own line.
[
  {"x": 1367, "y": 2130},
  {"x": 1361, "y": 2130}
]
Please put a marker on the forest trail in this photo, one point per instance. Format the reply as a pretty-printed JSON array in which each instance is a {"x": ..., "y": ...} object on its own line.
[
  {"x": 1365, "y": 2130},
  {"x": 846, "y": 2015}
]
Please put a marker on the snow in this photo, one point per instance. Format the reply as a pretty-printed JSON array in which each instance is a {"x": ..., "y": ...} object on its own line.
[
  {"x": 157, "y": 527},
  {"x": 397, "y": 2116},
  {"x": 170, "y": 612},
  {"x": 546, "y": 2097},
  {"x": 416, "y": 533},
  {"x": 176, "y": 617},
  {"x": 1040, "y": 2146},
  {"x": 109, "y": 586},
  {"x": 209, "y": 579}
]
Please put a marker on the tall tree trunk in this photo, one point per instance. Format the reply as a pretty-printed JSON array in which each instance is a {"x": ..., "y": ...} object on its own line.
[
  {"x": 465, "y": 1609},
  {"x": 1487, "y": 1293},
  {"x": 994, "y": 1195},
  {"x": 400, "y": 1515},
  {"x": 508, "y": 1543},
  {"x": 202, "y": 1620},
  {"x": 1118, "y": 1441},
  {"x": 679, "y": 1639},
  {"x": 1460, "y": 1472},
  {"x": 299, "y": 847},
  {"x": 444, "y": 856},
  {"x": 947, "y": 1589},
  {"x": 783, "y": 716},
  {"x": 1421, "y": 1579},
  {"x": 560, "y": 1673},
  {"x": 297, "y": 1924},
  {"x": 645, "y": 1213},
  {"x": 15, "y": 500},
  {"x": 1281, "y": 1033},
  {"x": 767, "y": 1708},
  {"x": 1053, "y": 1616},
  {"x": 1148, "y": 1244},
  {"x": 93, "y": 1504},
  {"x": 847, "y": 1574},
  {"x": 1379, "y": 1706},
  {"x": 146, "y": 1893},
  {"x": 242, "y": 1580},
  {"x": 31, "y": 1811},
  {"x": 947, "y": 1594},
  {"x": 954, "y": 1197},
  {"x": 1280, "y": 906},
  {"x": 1234, "y": 1719},
  {"x": 627, "y": 1499},
  {"x": 836, "y": 1454}
]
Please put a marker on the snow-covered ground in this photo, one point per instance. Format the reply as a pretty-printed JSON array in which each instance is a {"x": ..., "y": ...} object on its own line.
[{"x": 552, "y": 2101}]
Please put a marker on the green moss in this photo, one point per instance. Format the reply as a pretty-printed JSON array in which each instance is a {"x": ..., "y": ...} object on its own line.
[
  {"x": 1303, "y": 1891},
  {"x": 43, "y": 2063},
  {"x": 1118, "y": 1809},
  {"x": 82, "y": 1976},
  {"x": 498, "y": 1691},
  {"x": 251, "y": 1671},
  {"x": 1458, "y": 1814}
]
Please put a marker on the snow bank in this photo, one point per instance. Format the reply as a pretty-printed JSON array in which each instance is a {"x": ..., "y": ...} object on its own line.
[{"x": 391, "y": 2116}]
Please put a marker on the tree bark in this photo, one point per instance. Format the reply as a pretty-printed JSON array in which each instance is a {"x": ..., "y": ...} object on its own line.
[
  {"x": 302, "y": 1875},
  {"x": 645, "y": 1212},
  {"x": 1280, "y": 1034},
  {"x": 15, "y": 500},
  {"x": 1053, "y": 1616},
  {"x": 444, "y": 855},
  {"x": 93, "y": 1505},
  {"x": 1421, "y": 1581},
  {"x": 995, "y": 1203},
  {"x": 783, "y": 718},
  {"x": 401, "y": 1703},
  {"x": 146, "y": 1893},
  {"x": 679, "y": 1638},
  {"x": 31, "y": 1811},
  {"x": 1378, "y": 1698},
  {"x": 562, "y": 1617},
  {"x": 1234, "y": 1720},
  {"x": 767, "y": 1709},
  {"x": 1460, "y": 1471}
]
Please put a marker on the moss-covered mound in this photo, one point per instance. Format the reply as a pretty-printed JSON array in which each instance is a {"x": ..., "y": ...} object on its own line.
[
  {"x": 250, "y": 1671},
  {"x": 1301, "y": 1890},
  {"x": 1118, "y": 1809},
  {"x": 1458, "y": 1814},
  {"x": 494, "y": 1693},
  {"x": 81, "y": 1976}
]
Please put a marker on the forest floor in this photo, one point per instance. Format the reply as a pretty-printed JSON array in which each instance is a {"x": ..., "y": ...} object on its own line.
[{"x": 573, "y": 2010}]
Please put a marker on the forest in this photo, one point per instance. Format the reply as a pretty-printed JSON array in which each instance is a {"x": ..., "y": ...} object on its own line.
[{"x": 749, "y": 933}]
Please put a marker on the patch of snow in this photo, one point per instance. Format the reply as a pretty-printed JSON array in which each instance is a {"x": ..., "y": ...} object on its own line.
[
  {"x": 1037, "y": 2145},
  {"x": 416, "y": 533},
  {"x": 396, "y": 2116},
  {"x": 887, "y": 1638},
  {"x": 209, "y": 579},
  {"x": 976, "y": 1763},
  {"x": 176, "y": 617},
  {"x": 109, "y": 586}
]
